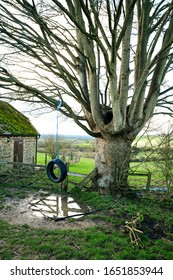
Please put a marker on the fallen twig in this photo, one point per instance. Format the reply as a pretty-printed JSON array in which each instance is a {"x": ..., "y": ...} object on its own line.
[
  {"x": 56, "y": 219},
  {"x": 133, "y": 231}
]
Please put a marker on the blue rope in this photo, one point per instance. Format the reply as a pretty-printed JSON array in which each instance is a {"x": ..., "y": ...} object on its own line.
[{"x": 58, "y": 107}]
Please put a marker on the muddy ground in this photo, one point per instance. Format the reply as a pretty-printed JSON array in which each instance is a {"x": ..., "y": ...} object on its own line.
[{"x": 19, "y": 212}]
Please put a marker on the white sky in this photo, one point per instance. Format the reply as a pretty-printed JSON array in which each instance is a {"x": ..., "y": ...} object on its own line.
[{"x": 47, "y": 123}]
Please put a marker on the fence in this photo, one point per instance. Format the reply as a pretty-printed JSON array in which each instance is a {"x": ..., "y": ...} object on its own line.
[
  {"x": 147, "y": 175},
  {"x": 23, "y": 174},
  {"x": 35, "y": 175}
]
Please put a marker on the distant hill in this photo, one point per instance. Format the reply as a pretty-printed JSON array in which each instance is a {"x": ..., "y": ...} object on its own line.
[{"x": 81, "y": 137}]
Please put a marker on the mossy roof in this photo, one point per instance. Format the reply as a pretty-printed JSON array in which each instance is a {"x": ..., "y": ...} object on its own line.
[{"x": 14, "y": 123}]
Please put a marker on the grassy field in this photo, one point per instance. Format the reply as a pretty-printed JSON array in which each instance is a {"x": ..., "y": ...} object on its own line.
[
  {"x": 106, "y": 235},
  {"x": 42, "y": 158},
  {"x": 106, "y": 238},
  {"x": 144, "y": 149},
  {"x": 86, "y": 165}
]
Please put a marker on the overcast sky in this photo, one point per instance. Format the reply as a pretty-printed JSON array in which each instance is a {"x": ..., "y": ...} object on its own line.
[{"x": 47, "y": 123}]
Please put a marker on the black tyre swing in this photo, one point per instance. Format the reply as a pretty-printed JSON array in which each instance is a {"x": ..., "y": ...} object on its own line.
[
  {"x": 51, "y": 170},
  {"x": 56, "y": 168}
]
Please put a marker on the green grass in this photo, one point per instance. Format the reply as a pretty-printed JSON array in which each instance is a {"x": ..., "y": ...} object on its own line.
[
  {"x": 85, "y": 166},
  {"x": 41, "y": 158},
  {"x": 26, "y": 243},
  {"x": 20, "y": 242},
  {"x": 157, "y": 178},
  {"x": 106, "y": 240}
]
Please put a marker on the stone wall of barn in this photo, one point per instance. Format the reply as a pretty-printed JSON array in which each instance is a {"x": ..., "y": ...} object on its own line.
[
  {"x": 6, "y": 149},
  {"x": 29, "y": 149}
]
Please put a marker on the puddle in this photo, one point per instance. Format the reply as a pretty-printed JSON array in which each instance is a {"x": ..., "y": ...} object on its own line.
[
  {"x": 57, "y": 206},
  {"x": 34, "y": 212}
]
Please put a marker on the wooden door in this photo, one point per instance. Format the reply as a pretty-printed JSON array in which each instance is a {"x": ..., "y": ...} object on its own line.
[{"x": 18, "y": 150}]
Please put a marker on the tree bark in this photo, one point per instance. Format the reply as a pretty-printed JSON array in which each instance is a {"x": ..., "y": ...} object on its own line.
[{"x": 112, "y": 161}]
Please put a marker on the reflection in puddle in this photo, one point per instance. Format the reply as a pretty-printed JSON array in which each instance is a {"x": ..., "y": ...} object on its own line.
[{"x": 57, "y": 206}]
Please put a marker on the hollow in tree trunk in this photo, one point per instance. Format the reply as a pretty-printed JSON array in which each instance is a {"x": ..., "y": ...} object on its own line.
[{"x": 112, "y": 161}]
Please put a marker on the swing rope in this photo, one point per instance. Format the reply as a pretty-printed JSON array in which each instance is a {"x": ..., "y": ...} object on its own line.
[
  {"x": 56, "y": 140},
  {"x": 61, "y": 165}
]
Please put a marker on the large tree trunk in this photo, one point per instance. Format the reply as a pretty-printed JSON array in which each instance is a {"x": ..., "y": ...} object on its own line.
[{"x": 112, "y": 160}]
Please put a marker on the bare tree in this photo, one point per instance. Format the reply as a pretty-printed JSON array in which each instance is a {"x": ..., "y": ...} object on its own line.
[
  {"x": 107, "y": 59},
  {"x": 53, "y": 146},
  {"x": 50, "y": 146},
  {"x": 164, "y": 160},
  {"x": 162, "y": 150}
]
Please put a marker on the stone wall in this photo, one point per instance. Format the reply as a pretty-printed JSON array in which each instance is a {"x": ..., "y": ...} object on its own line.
[
  {"x": 6, "y": 149},
  {"x": 29, "y": 149}
]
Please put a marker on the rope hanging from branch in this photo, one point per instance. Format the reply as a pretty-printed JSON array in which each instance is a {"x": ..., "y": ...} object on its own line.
[{"x": 56, "y": 165}]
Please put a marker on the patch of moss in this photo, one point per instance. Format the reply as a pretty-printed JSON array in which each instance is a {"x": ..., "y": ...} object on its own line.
[{"x": 14, "y": 123}]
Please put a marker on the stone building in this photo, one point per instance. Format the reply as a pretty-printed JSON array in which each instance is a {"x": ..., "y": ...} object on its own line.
[{"x": 18, "y": 137}]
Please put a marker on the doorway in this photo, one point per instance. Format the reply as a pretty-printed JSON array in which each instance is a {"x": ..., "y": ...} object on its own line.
[{"x": 18, "y": 150}]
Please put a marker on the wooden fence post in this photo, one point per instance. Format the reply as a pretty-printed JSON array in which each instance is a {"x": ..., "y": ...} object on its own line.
[
  {"x": 148, "y": 182},
  {"x": 64, "y": 184},
  {"x": 90, "y": 177}
]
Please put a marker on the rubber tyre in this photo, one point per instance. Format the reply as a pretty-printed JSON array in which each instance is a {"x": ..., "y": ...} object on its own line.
[{"x": 50, "y": 172}]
